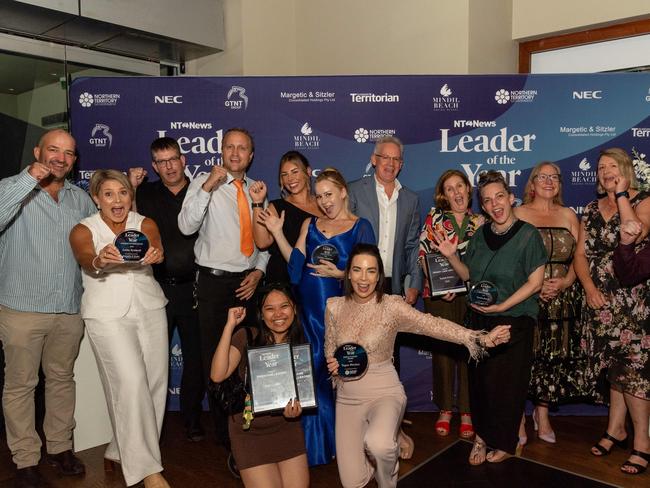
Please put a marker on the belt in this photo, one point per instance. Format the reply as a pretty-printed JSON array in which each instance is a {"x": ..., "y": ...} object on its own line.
[
  {"x": 176, "y": 280},
  {"x": 223, "y": 273}
]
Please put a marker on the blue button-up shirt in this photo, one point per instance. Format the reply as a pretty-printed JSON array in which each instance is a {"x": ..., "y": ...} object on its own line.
[{"x": 38, "y": 272}]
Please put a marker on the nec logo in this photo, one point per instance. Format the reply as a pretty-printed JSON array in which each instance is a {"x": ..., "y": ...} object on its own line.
[
  {"x": 588, "y": 95},
  {"x": 168, "y": 99}
]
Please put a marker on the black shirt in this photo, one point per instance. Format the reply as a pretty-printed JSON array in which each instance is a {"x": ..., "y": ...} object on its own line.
[{"x": 155, "y": 201}]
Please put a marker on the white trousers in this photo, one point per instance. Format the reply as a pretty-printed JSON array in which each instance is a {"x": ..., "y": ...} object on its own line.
[{"x": 132, "y": 358}]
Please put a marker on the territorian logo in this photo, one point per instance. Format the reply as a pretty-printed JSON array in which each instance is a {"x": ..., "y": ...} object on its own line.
[
  {"x": 236, "y": 98},
  {"x": 372, "y": 135},
  {"x": 306, "y": 140},
  {"x": 101, "y": 136},
  {"x": 98, "y": 99},
  {"x": 445, "y": 102},
  {"x": 503, "y": 96},
  {"x": 584, "y": 176},
  {"x": 374, "y": 98}
]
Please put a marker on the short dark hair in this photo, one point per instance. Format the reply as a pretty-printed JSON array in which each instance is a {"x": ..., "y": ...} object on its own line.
[
  {"x": 370, "y": 250},
  {"x": 489, "y": 177},
  {"x": 163, "y": 143},
  {"x": 294, "y": 334},
  {"x": 243, "y": 131}
]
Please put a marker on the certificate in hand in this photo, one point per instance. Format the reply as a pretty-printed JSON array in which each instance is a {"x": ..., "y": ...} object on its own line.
[
  {"x": 304, "y": 370},
  {"x": 442, "y": 277},
  {"x": 271, "y": 377}
]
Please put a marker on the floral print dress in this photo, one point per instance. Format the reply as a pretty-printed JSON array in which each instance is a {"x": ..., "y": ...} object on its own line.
[{"x": 618, "y": 334}]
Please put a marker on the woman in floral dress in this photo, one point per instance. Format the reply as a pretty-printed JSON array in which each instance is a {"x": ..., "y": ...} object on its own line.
[{"x": 619, "y": 316}]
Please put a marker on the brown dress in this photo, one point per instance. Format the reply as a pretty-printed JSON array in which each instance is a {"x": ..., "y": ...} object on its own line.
[{"x": 271, "y": 437}]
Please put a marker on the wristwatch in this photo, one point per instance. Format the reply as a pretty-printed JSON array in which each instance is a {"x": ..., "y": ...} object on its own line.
[{"x": 622, "y": 194}]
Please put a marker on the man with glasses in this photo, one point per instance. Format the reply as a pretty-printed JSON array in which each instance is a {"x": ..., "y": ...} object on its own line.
[
  {"x": 394, "y": 212},
  {"x": 218, "y": 206},
  {"x": 162, "y": 201},
  {"x": 40, "y": 295}
]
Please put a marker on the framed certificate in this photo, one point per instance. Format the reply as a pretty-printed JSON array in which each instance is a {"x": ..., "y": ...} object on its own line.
[
  {"x": 442, "y": 277},
  {"x": 272, "y": 379},
  {"x": 303, "y": 366}
]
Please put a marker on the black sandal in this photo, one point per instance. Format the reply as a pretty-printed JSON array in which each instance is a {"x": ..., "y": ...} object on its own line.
[
  {"x": 639, "y": 469},
  {"x": 622, "y": 443}
]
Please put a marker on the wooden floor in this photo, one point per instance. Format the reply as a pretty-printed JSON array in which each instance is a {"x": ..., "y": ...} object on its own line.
[{"x": 202, "y": 464}]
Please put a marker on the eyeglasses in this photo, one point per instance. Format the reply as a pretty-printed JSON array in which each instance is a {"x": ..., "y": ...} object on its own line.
[
  {"x": 544, "y": 178},
  {"x": 384, "y": 158},
  {"x": 167, "y": 162}
]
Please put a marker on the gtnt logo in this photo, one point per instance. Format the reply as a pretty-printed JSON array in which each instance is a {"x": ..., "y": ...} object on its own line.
[
  {"x": 168, "y": 99},
  {"x": 588, "y": 95}
]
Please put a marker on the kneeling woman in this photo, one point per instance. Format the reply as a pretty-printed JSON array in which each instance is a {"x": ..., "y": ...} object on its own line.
[
  {"x": 369, "y": 410},
  {"x": 271, "y": 453}
]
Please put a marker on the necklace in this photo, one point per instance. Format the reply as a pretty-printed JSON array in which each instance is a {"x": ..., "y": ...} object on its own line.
[{"x": 495, "y": 231}]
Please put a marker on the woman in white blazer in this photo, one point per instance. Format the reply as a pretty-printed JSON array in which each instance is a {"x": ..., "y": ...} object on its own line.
[{"x": 124, "y": 310}]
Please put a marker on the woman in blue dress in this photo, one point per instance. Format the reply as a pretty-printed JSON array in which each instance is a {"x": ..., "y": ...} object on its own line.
[{"x": 316, "y": 265}]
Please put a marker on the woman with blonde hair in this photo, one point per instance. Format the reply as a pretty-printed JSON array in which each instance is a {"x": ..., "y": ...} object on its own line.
[{"x": 316, "y": 265}]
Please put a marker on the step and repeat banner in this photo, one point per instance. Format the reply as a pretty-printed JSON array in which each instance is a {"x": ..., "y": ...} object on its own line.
[{"x": 471, "y": 123}]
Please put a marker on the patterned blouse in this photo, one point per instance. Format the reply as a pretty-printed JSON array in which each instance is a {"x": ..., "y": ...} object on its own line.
[{"x": 443, "y": 221}]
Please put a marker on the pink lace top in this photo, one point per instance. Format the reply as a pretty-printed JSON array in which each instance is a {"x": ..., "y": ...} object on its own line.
[{"x": 374, "y": 326}]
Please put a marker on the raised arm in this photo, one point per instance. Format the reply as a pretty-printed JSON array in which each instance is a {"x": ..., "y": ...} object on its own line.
[
  {"x": 195, "y": 206},
  {"x": 226, "y": 357}
]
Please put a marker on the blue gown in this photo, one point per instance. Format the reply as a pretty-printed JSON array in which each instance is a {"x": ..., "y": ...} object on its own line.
[{"x": 313, "y": 292}]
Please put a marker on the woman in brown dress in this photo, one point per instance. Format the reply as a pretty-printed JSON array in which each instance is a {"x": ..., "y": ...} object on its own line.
[{"x": 271, "y": 453}]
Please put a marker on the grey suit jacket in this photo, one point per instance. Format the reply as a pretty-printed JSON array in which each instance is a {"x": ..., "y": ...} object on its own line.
[{"x": 364, "y": 203}]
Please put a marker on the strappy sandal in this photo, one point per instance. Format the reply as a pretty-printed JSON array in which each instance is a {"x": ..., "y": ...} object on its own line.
[
  {"x": 639, "y": 469},
  {"x": 442, "y": 425},
  {"x": 622, "y": 443},
  {"x": 466, "y": 430},
  {"x": 478, "y": 453}
]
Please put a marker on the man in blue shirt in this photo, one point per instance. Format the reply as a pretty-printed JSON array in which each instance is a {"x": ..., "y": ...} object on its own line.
[{"x": 40, "y": 293}]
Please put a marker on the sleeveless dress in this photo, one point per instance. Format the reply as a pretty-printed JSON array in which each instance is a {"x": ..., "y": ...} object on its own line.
[
  {"x": 276, "y": 269},
  {"x": 617, "y": 335},
  {"x": 558, "y": 367},
  {"x": 313, "y": 292}
]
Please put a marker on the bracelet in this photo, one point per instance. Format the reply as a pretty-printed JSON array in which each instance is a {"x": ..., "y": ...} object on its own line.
[
  {"x": 97, "y": 270},
  {"x": 257, "y": 205},
  {"x": 622, "y": 194}
]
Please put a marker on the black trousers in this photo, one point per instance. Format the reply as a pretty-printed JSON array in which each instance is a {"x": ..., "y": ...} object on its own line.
[
  {"x": 216, "y": 294},
  {"x": 182, "y": 316}
]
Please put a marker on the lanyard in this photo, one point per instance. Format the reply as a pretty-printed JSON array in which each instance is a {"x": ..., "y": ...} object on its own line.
[{"x": 460, "y": 231}]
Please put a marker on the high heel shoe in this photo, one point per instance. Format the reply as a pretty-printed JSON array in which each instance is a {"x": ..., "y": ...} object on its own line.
[
  {"x": 466, "y": 430},
  {"x": 602, "y": 450},
  {"x": 406, "y": 445},
  {"x": 638, "y": 468},
  {"x": 523, "y": 439},
  {"x": 442, "y": 425},
  {"x": 550, "y": 437}
]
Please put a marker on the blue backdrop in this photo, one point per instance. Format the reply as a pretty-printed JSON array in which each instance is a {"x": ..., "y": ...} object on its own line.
[{"x": 473, "y": 123}]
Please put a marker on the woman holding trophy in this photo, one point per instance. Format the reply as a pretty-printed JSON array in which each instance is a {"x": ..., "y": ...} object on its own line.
[
  {"x": 504, "y": 264},
  {"x": 124, "y": 310}
]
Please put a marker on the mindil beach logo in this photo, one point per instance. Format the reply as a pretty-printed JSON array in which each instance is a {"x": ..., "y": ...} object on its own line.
[
  {"x": 445, "y": 91},
  {"x": 445, "y": 102},
  {"x": 306, "y": 129},
  {"x": 86, "y": 100},
  {"x": 641, "y": 169},
  {"x": 176, "y": 356},
  {"x": 502, "y": 96},
  {"x": 584, "y": 176},
  {"x": 361, "y": 135},
  {"x": 306, "y": 139}
]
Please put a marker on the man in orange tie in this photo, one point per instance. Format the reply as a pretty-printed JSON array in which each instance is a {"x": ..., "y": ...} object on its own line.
[{"x": 218, "y": 206}]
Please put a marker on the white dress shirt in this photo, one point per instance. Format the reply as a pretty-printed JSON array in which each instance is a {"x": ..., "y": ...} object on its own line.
[
  {"x": 387, "y": 224},
  {"x": 216, "y": 218}
]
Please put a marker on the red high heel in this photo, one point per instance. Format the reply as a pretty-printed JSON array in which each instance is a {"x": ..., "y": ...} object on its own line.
[
  {"x": 442, "y": 425},
  {"x": 466, "y": 430}
]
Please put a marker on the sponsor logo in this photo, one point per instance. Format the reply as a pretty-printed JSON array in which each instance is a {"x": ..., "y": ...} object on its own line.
[
  {"x": 101, "y": 136},
  {"x": 640, "y": 131},
  {"x": 503, "y": 96},
  {"x": 306, "y": 139},
  {"x": 474, "y": 123},
  {"x": 501, "y": 142},
  {"x": 374, "y": 98},
  {"x": 176, "y": 357},
  {"x": 190, "y": 125},
  {"x": 236, "y": 98},
  {"x": 98, "y": 99},
  {"x": 309, "y": 96},
  {"x": 168, "y": 99},
  {"x": 583, "y": 176},
  {"x": 587, "y": 94},
  {"x": 589, "y": 131},
  {"x": 372, "y": 135},
  {"x": 445, "y": 102}
]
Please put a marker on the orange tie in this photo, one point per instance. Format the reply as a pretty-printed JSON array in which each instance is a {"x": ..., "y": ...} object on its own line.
[{"x": 245, "y": 226}]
